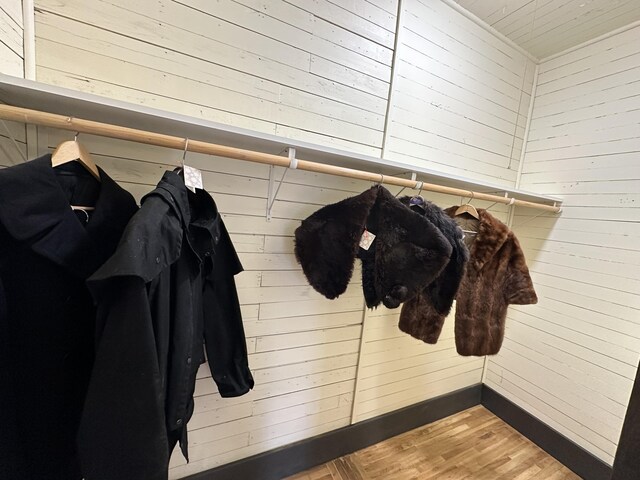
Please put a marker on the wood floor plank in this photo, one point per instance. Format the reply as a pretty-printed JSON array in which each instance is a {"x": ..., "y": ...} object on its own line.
[
  {"x": 321, "y": 472},
  {"x": 471, "y": 445}
]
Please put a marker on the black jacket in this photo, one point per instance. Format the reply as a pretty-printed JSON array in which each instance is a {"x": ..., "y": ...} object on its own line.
[
  {"x": 169, "y": 286},
  {"x": 407, "y": 253},
  {"x": 47, "y": 315},
  {"x": 423, "y": 316}
]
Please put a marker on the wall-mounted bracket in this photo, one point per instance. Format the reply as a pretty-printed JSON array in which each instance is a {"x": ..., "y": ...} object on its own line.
[{"x": 272, "y": 192}]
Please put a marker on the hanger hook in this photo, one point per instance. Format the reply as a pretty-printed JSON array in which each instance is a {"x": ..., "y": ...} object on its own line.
[
  {"x": 473, "y": 194},
  {"x": 421, "y": 184},
  {"x": 184, "y": 153}
]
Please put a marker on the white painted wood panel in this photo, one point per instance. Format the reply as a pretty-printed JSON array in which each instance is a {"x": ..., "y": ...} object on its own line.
[
  {"x": 460, "y": 96},
  {"x": 313, "y": 70},
  {"x": 11, "y": 33},
  {"x": 571, "y": 359},
  {"x": 13, "y": 144}
]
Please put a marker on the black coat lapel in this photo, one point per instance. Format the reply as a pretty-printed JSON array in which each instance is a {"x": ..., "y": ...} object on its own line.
[{"x": 35, "y": 211}]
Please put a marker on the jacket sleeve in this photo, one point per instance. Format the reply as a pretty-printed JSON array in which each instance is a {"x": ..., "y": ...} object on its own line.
[
  {"x": 223, "y": 329},
  {"x": 518, "y": 285},
  {"x": 122, "y": 434}
]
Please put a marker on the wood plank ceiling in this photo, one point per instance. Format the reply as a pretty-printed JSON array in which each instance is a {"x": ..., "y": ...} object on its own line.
[{"x": 546, "y": 27}]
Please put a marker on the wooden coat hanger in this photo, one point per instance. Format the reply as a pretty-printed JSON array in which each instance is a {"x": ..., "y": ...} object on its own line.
[
  {"x": 468, "y": 208},
  {"x": 73, "y": 151}
]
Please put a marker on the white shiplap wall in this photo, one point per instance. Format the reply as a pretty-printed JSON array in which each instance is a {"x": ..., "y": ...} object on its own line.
[
  {"x": 460, "y": 96},
  {"x": 11, "y": 34},
  {"x": 314, "y": 70},
  {"x": 13, "y": 143},
  {"x": 571, "y": 359},
  {"x": 319, "y": 70},
  {"x": 445, "y": 99}
]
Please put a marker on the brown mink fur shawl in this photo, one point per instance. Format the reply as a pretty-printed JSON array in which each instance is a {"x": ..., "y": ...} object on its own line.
[
  {"x": 496, "y": 276},
  {"x": 407, "y": 253}
]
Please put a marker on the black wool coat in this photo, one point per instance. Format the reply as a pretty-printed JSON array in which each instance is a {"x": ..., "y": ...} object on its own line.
[
  {"x": 407, "y": 253},
  {"x": 47, "y": 316},
  {"x": 168, "y": 289},
  {"x": 423, "y": 316}
]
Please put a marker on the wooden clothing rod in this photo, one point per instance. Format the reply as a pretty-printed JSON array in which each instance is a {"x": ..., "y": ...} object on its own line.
[{"x": 25, "y": 115}]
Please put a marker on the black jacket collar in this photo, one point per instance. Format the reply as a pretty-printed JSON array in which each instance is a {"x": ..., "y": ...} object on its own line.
[
  {"x": 35, "y": 211},
  {"x": 195, "y": 209},
  {"x": 168, "y": 212}
]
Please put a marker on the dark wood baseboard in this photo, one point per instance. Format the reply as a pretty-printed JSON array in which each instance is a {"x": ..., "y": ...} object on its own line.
[
  {"x": 290, "y": 459},
  {"x": 554, "y": 443}
]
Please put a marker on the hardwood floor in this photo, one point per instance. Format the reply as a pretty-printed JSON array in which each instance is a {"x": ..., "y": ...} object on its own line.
[{"x": 471, "y": 445}]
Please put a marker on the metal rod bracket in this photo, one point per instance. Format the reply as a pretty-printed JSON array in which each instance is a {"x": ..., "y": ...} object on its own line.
[
  {"x": 293, "y": 161},
  {"x": 272, "y": 192}
]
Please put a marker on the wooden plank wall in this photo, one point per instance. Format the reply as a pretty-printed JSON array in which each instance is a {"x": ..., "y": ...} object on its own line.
[
  {"x": 11, "y": 26},
  {"x": 13, "y": 143},
  {"x": 474, "y": 89},
  {"x": 313, "y": 70},
  {"x": 571, "y": 359}
]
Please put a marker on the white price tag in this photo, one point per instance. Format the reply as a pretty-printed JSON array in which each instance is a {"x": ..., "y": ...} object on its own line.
[
  {"x": 367, "y": 239},
  {"x": 192, "y": 178}
]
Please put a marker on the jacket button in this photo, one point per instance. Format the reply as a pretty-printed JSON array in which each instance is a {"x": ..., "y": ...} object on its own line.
[
  {"x": 157, "y": 259},
  {"x": 179, "y": 421},
  {"x": 189, "y": 361}
]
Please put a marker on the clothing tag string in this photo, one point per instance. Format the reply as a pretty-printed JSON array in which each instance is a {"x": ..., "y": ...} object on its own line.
[{"x": 192, "y": 176}]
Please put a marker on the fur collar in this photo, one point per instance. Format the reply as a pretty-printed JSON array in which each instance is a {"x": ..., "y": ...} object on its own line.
[
  {"x": 327, "y": 241},
  {"x": 408, "y": 252},
  {"x": 492, "y": 234}
]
